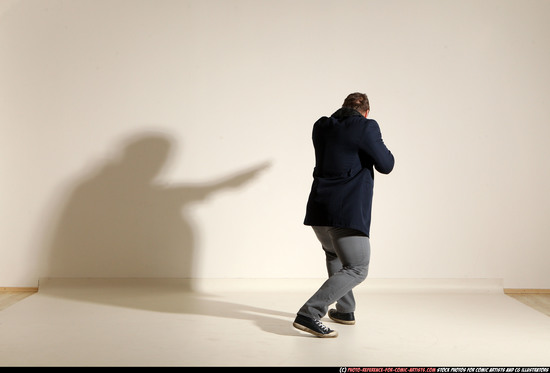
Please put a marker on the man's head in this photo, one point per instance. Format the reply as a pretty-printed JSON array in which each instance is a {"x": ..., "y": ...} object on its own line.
[{"x": 359, "y": 102}]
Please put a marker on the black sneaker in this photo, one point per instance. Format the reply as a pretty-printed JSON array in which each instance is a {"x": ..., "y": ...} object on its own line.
[
  {"x": 313, "y": 326},
  {"x": 341, "y": 317}
]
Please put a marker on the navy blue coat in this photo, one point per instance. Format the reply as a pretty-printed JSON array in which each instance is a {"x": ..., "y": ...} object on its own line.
[{"x": 348, "y": 148}]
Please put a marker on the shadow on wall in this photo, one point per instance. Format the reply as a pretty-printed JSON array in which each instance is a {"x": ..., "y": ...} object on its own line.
[{"x": 119, "y": 221}]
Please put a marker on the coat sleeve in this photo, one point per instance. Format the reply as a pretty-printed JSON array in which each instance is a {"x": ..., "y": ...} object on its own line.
[{"x": 374, "y": 146}]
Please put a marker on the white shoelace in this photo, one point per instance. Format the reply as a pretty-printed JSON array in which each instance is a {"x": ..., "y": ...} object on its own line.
[{"x": 322, "y": 326}]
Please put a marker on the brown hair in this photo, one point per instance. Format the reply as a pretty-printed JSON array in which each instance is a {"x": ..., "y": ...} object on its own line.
[{"x": 357, "y": 101}]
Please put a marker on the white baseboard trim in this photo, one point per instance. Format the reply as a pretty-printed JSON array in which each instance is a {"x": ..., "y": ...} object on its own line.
[{"x": 287, "y": 285}]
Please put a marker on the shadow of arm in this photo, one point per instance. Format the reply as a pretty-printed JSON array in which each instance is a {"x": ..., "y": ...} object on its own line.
[{"x": 202, "y": 191}]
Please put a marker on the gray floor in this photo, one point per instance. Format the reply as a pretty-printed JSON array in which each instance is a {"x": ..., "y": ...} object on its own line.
[{"x": 248, "y": 323}]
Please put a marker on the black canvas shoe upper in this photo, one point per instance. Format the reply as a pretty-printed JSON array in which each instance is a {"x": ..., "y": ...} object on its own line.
[
  {"x": 342, "y": 317},
  {"x": 313, "y": 326}
]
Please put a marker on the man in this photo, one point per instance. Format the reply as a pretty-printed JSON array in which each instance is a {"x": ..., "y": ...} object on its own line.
[{"x": 348, "y": 148}]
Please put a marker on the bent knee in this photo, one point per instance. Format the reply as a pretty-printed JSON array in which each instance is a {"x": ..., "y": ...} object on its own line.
[{"x": 359, "y": 272}]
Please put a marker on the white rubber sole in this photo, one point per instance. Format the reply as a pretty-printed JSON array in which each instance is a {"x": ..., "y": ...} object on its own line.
[{"x": 332, "y": 334}]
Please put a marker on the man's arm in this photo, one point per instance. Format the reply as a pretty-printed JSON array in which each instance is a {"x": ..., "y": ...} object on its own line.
[{"x": 374, "y": 146}]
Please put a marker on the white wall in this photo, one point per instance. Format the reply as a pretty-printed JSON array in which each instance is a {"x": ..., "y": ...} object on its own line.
[{"x": 95, "y": 95}]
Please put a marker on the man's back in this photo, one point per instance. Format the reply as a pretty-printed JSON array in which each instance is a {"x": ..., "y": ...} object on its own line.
[
  {"x": 347, "y": 149},
  {"x": 337, "y": 145}
]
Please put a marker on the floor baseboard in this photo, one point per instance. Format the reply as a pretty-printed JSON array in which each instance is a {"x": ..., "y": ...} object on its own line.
[
  {"x": 17, "y": 289},
  {"x": 526, "y": 291}
]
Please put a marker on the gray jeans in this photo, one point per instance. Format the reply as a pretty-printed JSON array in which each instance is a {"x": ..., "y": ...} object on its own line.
[{"x": 347, "y": 254}]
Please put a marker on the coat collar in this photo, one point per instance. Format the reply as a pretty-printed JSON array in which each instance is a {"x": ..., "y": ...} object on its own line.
[{"x": 345, "y": 112}]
